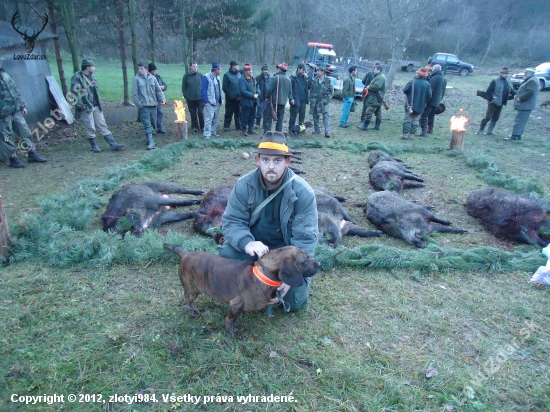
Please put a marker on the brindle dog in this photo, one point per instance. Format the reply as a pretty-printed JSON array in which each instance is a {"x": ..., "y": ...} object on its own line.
[{"x": 235, "y": 283}]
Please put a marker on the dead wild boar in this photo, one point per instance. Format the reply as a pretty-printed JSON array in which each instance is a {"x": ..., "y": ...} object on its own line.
[
  {"x": 510, "y": 216},
  {"x": 334, "y": 221},
  {"x": 147, "y": 205},
  {"x": 390, "y": 175},
  {"x": 377, "y": 156},
  {"x": 397, "y": 217}
]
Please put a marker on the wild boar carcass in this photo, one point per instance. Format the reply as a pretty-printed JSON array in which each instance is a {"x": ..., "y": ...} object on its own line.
[
  {"x": 397, "y": 217},
  {"x": 390, "y": 175},
  {"x": 377, "y": 156},
  {"x": 510, "y": 216},
  {"x": 147, "y": 205}
]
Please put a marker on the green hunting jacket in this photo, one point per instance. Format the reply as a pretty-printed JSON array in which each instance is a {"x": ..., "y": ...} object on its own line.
[
  {"x": 285, "y": 89},
  {"x": 438, "y": 83},
  {"x": 528, "y": 92},
  {"x": 320, "y": 93},
  {"x": 377, "y": 84},
  {"x": 298, "y": 212},
  {"x": 11, "y": 100},
  {"x": 348, "y": 88},
  {"x": 83, "y": 88}
]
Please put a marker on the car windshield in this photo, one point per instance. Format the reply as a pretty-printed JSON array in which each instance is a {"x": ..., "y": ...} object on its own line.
[{"x": 543, "y": 68}]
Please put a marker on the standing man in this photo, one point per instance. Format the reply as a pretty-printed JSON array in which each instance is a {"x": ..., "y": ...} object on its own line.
[
  {"x": 279, "y": 93},
  {"x": 438, "y": 83},
  {"x": 212, "y": 97},
  {"x": 249, "y": 95},
  {"x": 88, "y": 106},
  {"x": 147, "y": 94},
  {"x": 271, "y": 207},
  {"x": 366, "y": 81},
  {"x": 321, "y": 92},
  {"x": 300, "y": 93},
  {"x": 525, "y": 101},
  {"x": 498, "y": 93},
  {"x": 348, "y": 95},
  {"x": 418, "y": 91},
  {"x": 191, "y": 85},
  {"x": 232, "y": 96},
  {"x": 262, "y": 80},
  {"x": 375, "y": 98},
  {"x": 163, "y": 86},
  {"x": 12, "y": 120}
]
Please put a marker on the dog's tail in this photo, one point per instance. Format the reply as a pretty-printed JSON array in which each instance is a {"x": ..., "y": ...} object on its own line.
[{"x": 176, "y": 249}]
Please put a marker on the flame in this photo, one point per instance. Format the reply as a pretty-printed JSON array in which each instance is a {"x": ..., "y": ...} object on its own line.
[
  {"x": 179, "y": 109},
  {"x": 458, "y": 123}
]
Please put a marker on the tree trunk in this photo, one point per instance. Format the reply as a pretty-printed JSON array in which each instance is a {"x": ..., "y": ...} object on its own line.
[
  {"x": 122, "y": 47},
  {"x": 185, "y": 41},
  {"x": 132, "y": 21},
  {"x": 53, "y": 26},
  {"x": 66, "y": 10},
  {"x": 152, "y": 29}
]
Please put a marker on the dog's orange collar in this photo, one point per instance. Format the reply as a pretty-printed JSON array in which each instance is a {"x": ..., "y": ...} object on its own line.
[{"x": 256, "y": 270}]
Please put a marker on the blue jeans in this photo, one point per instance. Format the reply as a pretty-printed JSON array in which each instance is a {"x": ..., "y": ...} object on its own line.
[
  {"x": 345, "y": 111},
  {"x": 148, "y": 118}
]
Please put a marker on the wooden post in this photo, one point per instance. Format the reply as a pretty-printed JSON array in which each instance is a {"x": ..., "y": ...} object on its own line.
[
  {"x": 5, "y": 240},
  {"x": 457, "y": 140},
  {"x": 181, "y": 130}
]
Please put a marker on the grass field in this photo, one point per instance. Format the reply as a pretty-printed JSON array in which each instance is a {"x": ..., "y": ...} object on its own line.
[{"x": 368, "y": 336}]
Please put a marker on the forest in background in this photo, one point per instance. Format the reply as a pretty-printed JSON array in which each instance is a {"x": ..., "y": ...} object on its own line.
[{"x": 179, "y": 31}]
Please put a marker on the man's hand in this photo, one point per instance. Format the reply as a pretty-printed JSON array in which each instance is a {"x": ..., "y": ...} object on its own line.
[
  {"x": 24, "y": 111},
  {"x": 283, "y": 289},
  {"x": 255, "y": 96},
  {"x": 163, "y": 103},
  {"x": 292, "y": 102},
  {"x": 256, "y": 248}
]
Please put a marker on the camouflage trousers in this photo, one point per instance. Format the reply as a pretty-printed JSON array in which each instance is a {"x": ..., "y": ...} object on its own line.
[
  {"x": 93, "y": 120},
  {"x": 14, "y": 129},
  {"x": 411, "y": 122},
  {"x": 315, "y": 110}
]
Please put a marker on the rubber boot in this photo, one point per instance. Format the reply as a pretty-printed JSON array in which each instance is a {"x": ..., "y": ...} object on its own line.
[
  {"x": 150, "y": 142},
  {"x": 413, "y": 129},
  {"x": 111, "y": 140},
  {"x": 491, "y": 127},
  {"x": 95, "y": 147},
  {"x": 424, "y": 132},
  {"x": 377, "y": 124},
  {"x": 34, "y": 158},
  {"x": 430, "y": 128},
  {"x": 14, "y": 162},
  {"x": 364, "y": 126}
]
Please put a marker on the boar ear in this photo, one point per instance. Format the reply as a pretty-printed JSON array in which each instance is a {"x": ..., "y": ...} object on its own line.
[{"x": 289, "y": 273}]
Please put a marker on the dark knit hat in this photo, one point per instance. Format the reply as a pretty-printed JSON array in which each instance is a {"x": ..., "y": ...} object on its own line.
[
  {"x": 505, "y": 70},
  {"x": 151, "y": 67},
  {"x": 215, "y": 65},
  {"x": 352, "y": 68},
  {"x": 274, "y": 143},
  {"x": 87, "y": 62},
  {"x": 233, "y": 63}
]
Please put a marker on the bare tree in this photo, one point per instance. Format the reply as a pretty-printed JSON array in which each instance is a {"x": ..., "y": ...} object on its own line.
[
  {"x": 465, "y": 28},
  {"x": 57, "y": 47},
  {"x": 66, "y": 11},
  {"x": 119, "y": 8}
]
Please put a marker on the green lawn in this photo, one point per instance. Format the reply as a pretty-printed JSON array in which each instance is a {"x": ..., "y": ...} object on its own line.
[{"x": 367, "y": 338}]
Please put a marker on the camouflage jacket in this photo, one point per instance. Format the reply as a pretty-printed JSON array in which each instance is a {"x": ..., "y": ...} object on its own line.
[
  {"x": 320, "y": 93},
  {"x": 82, "y": 86},
  {"x": 11, "y": 100}
]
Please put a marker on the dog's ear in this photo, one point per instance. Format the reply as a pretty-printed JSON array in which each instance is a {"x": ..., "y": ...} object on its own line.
[{"x": 289, "y": 273}]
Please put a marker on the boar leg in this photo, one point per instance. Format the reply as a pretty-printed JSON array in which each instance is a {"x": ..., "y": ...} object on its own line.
[
  {"x": 164, "y": 187},
  {"x": 169, "y": 217},
  {"x": 411, "y": 176},
  {"x": 445, "y": 229},
  {"x": 355, "y": 230},
  {"x": 412, "y": 185},
  {"x": 177, "y": 201}
]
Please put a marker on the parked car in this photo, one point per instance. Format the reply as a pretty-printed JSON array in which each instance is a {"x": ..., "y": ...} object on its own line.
[
  {"x": 337, "y": 85},
  {"x": 542, "y": 72},
  {"x": 451, "y": 63}
]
